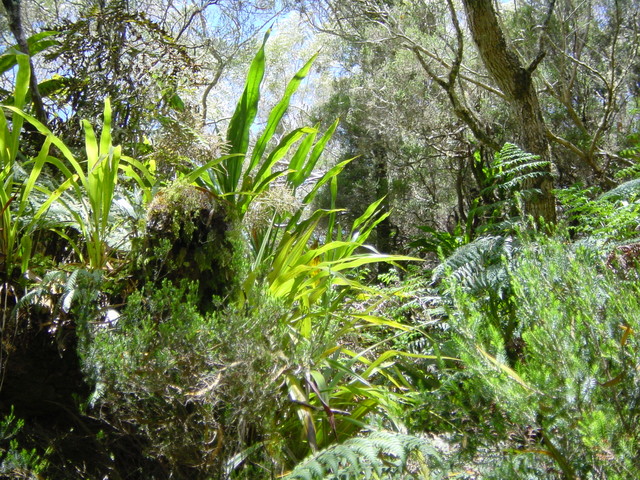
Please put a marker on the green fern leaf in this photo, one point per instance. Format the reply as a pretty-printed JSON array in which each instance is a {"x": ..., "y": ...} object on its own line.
[
  {"x": 624, "y": 191},
  {"x": 379, "y": 455}
]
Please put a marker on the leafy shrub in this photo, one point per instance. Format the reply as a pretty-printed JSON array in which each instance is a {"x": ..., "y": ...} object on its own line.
[
  {"x": 15, "y": 461},
  {"x": 570, "y": 377},
  {"x": 196, "y": 389}
]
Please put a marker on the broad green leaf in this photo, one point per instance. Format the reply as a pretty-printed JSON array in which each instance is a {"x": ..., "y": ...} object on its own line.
[
  {"x": 22, "y": 81},
  {"x": 242, "y": 120},
  {"x": 277, "y": 113},
  {"x": 105, "y": 135},
  {"x": 376, "y": 364},
  {"x": 176, "y": 103},
  {"x": 20, "y": 94},
  {"x": 33, "y": 176},
  {"x": 52, "y": 86},
  {"x": 266, "y": 181},
  {"x": 37, "y": 43}
]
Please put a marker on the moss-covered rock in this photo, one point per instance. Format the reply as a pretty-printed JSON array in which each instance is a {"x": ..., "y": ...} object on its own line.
[{"x": 188, "y": 235}]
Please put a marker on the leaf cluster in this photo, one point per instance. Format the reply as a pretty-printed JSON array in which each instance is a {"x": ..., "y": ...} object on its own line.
[
  {"x": 375, "y": 456},
  {"x": 563, "y": 359}
]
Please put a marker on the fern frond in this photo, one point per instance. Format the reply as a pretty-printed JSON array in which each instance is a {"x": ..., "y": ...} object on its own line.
[
  {"x": 379, "y": 455},
  {"x": 479, "y": 265},
  {"x": 624, "y": 191},
  {"x": 512, "y": 178},
  {"x": 632, "y": 153},
  {"x": 519, "y": 180},
  {"x": 515, "y": 167}
]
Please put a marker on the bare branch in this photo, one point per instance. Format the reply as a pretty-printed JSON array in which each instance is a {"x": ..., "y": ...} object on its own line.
[{"x": 196, "y": 11}]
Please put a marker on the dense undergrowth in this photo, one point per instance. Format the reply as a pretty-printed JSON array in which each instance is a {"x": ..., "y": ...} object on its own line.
[{"x": 233, "y": 329}]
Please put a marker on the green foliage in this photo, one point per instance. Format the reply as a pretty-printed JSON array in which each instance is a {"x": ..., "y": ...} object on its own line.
[
  {"x": 93, "y": 183},
  {"x": 498, "y": 210},
  {"x": 17, "y": 462},
  {"x": 271, "y": 369},
  {"x": 566, "y": 369},
  {"x": 436, "y": 241},
  {"x": 282, "y": 251},
  {"x": 380, "y": 455},
  {"x": 510, "y": 179},
  {"x": 624, "y": 191},
  {"x": 480, "y": 266},
  {"x": 236, "y": 379},
  {"x": 19, "y": 219},
  {"x": 514, "y": 168},
  {"x": 91, "y": 64},
  {"x": 633, "y": 154},
  {"x": 190, "y": 234},
  {"x": 198, "y": 389},
  {"x": 37, "y": 43},
  {"x": 242, "y": 176},
  {"x": 612, "y": 215}
]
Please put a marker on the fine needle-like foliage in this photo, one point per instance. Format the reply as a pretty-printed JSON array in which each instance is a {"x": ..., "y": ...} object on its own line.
[
  {"x": 558, "y": 356},
  {"x": 213, "y": 309}
]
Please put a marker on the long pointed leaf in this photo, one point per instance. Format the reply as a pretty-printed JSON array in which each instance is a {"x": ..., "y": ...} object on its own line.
[
  {"x": 325, "y": 178},
  {"x": 280, "y": 151},
  {"x": 297, "y": 160},
  {"x": 242, "y": 120},
  {"x": 277, "y": 113},
  {"x": 318, "y": 149}
]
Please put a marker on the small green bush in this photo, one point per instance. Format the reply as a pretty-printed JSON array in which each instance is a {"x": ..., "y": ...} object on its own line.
[
  {"x": 197, "y": 389},
  {"x": 15, "y": 461},
  {"x": 564, "y": 396}
]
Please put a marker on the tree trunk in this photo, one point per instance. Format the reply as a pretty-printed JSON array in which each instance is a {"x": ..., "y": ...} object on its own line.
[
  {"x": 384, "y": 228},
  {"x": 516, "y": 83}
]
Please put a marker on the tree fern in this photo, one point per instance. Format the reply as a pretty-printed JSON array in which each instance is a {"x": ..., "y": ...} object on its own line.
[
  {"x": 625, "y": 191},
  {"x": 480, "y": 265},
  {"x": 510, "y": 178},
  {"x": 381, "y": 455},
  {"x": 515, "y": 168}
]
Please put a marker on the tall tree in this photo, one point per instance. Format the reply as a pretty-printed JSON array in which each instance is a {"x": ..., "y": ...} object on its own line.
[
  {"x": 516, "y": 82},
  {"x": 582, "y": 86}
]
